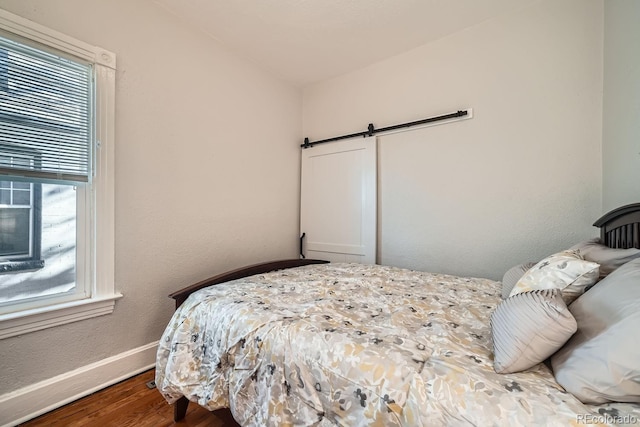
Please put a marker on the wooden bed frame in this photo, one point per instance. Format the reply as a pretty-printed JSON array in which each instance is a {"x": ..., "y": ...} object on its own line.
[{"x": 619, "y": 228}]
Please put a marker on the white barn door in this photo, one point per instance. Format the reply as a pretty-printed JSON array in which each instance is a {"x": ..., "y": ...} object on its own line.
[{"x": 338, "y": 201}]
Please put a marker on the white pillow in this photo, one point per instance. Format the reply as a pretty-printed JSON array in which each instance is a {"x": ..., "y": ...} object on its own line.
[
  {"x": 528, "y": 328},
  {"x": 601, "y": 362},
  {"x": 608, "y": 258},
  {"x": 566, "y": 271}
]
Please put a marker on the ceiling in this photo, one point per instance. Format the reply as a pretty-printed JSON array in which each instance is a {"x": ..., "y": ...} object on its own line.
[{"x": 305, "y": 41}]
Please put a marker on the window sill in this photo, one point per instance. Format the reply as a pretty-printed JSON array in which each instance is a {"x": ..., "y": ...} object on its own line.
[
  {"x": 13, "y": 324},
  {"x": 11, "y": 266}
]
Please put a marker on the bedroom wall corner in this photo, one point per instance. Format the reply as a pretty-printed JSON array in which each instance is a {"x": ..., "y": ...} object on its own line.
[
  {"x": 621, "y": 127},
  {"x": 206, "y": 170},
  {"x": 522, "y": 178}
]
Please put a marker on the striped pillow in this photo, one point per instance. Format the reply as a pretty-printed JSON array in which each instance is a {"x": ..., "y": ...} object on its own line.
[
  {"x": 512, "y": 275},
  {"x": 529, "y": 327}
]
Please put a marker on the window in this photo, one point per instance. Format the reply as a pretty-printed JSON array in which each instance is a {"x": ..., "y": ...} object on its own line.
[
  {"x": 20, "y": 226},
  {"x": 56, "y": 178}
]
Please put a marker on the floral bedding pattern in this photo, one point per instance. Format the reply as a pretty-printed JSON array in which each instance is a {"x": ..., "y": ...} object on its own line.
[{"x": 355, "y": 345}]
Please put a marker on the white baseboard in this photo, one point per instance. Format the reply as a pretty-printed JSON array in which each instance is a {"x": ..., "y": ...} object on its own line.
[{"x": 29, "y": 402}]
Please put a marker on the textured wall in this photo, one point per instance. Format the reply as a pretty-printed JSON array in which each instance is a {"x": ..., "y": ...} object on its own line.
[
  {"x": 621, "y": 118},
  {"x": 520, "y": 180},
  {"x": 207, "y": 174}
]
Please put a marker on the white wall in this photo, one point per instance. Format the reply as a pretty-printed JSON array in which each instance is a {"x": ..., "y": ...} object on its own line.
[
  {"x": 518, "y": 181},
  {"x": 621, "y": 118},
  {"x": 207, "y": 174}
]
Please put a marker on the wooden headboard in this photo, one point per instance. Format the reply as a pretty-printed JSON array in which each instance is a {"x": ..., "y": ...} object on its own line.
[{"x": 620, "y": 228}]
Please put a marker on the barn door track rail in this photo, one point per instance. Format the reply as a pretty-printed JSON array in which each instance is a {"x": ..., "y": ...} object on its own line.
[{"x": 372, "y": 131}]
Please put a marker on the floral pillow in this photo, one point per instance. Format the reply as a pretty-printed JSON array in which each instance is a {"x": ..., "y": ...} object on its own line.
[{"x": 565, "y": 270}]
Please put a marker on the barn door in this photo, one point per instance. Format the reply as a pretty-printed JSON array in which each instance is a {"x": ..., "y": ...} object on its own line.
[{"x": 338, "y": 201}]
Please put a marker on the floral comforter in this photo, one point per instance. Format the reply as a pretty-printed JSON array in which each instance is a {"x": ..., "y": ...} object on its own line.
[{"x": 355, "y": 345}]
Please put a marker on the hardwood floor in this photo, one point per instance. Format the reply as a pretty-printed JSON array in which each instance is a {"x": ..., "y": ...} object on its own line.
[{"x": 129, "y": 403}]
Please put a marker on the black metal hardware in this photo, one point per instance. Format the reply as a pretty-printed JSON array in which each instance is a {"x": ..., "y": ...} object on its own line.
[
  {"x": 301, "y": 247},
  {"x": 371, "y": 130}
]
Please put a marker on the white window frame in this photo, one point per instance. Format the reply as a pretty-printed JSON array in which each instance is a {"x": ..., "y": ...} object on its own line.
[{"x": 97, "y": 224}]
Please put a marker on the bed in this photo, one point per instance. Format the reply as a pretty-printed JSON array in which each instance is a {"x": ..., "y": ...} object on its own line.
[{"x": 304, "y": 342}]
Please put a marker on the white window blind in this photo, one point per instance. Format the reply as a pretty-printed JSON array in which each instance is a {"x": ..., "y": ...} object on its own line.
[{"x": 45, "y": 115}]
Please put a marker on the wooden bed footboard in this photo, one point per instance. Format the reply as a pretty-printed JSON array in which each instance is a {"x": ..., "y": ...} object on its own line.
[
  {"x": 263, "y": 267},
  {"x": 180, "y": 407}
]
